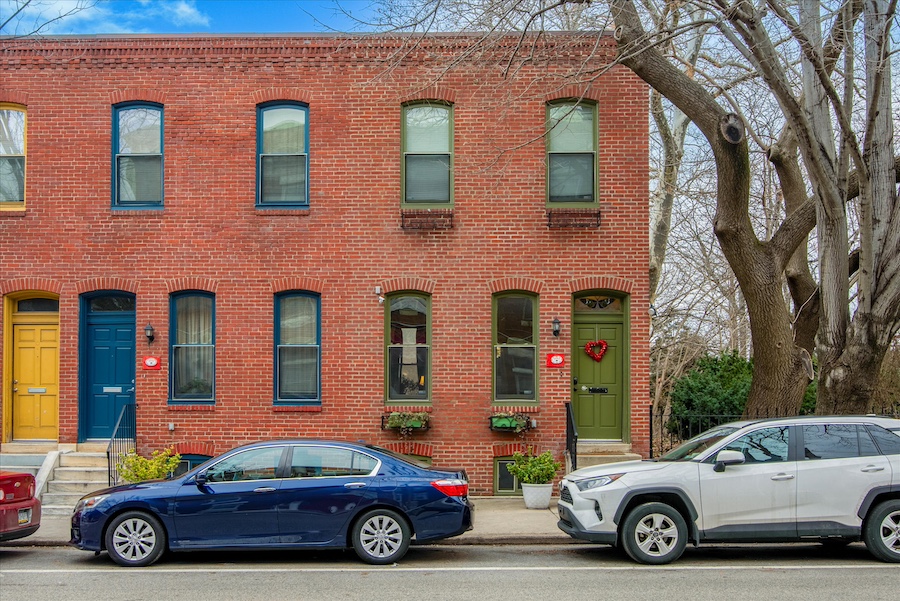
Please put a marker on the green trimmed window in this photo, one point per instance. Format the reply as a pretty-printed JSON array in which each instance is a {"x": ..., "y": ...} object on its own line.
[
  {"x": 297, "y": 349},
  {"x": 12, "y": 155},
  {"x": 571, "y": 152},
  {"x": 193, "y": 347},
  {"x": 282, "y": 155},
  {"x": 138, "y": 155},
  {"x": 515, "y": 347},
  {"x": 504, "y": 482},
  {"x": 408, "y": 347},
  {"x": 427, "y": 154}
]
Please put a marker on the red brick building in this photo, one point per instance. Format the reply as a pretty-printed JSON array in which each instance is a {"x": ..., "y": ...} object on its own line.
[{"x": 278, "y": 236}]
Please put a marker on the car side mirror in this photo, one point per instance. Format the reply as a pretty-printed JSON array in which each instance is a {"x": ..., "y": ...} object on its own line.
[
  {"x": 727, "y": 457},
  {"x": 200, "y": 478}
]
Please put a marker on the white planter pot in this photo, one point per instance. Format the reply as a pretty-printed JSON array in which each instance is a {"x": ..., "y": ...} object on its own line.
[{"x": 537, "y": 496}]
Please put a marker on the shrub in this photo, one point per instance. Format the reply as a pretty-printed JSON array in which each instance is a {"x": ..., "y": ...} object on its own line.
[
  {"x": 534, "y": 469},
  {"x": 135, "y": 468}
]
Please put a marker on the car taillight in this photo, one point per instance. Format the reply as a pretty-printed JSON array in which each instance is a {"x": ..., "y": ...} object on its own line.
[{"x": 452, "y": 488}]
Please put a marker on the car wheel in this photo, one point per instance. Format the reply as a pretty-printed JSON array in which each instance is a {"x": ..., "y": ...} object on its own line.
[
  {"x": 135, "y": 539},
  {"x": 381, "y": 536},
  {"x": 654, "y": 533},
  {"x": 882, "y": 531}
]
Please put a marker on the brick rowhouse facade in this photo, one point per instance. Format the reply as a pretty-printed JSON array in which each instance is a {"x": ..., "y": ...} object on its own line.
[{"x": 68, "y": 242}]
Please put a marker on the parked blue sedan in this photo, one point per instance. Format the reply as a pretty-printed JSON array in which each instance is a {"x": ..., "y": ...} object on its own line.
[{"x": 280, "y": 495}]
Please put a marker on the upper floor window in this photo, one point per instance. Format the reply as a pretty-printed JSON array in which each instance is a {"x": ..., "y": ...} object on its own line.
[
  {"x": 427, "y": 154},
  {"x": 571, "y": 152},
  {"x": 297, "y": 348},
  {"x": 408, "y": 344},
  {"x": 282, "y": 149},
  {"x": 515, "y": 349},
  {"x": 138, "y": 155},
  {"x": 12, "y": 154},
  {"x": 193, "y": 351}
]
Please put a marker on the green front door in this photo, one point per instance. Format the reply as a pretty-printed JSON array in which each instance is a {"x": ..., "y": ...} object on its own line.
[{"x": 598, "y": 387}]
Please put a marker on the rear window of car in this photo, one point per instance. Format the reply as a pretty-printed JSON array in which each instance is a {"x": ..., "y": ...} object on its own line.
[
  {"x": 404, "y": 458},
  {"x": 888, "y": 441}
]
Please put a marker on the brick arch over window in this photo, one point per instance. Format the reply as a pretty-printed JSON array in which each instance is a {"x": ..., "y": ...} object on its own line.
[
  {"x": 410, "y": 283},
  {"x": 408, "y": 447},
  {"x": 195, "y": 448},
  {"x": 516, "y": 283},
  {"x": 137, "y": 95},
  {"x": 286, "y": 94},
  {"x": 202, "y": 284},
  {"x": 13, "y": 97},
  {"x": 31, "y": 284},
  {"x": 573, "y": 91},
  {"x": 106, "y": 284},
  {"x": 299, "y": 283},
  {"x": 435, "y": 92},
  {"x": 506, "y": 449},
  {"x": 604, "y": 282}
]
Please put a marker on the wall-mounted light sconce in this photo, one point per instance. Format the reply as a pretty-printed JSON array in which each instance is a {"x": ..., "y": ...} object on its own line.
[
  {"x": 652, "y": 311},
  {"x": 149, "y": 333},
  {"x": 556, "y": 326}
]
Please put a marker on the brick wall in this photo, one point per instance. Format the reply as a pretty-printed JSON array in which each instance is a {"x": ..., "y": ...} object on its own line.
[{"x": 211, "y": 237}]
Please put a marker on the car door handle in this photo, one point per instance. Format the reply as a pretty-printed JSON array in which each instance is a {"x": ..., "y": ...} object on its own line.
[
  {"x": 778, "y": 477},
  {"x": 872, "y": 468},
  {"x": 264, "y": 489},
  {"x": 355, "y": 485}
]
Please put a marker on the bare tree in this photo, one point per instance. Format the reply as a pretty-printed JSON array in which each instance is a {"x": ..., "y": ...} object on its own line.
[
  {"x": 26, "y": 18},
  {"x": 828, "y": 66}
]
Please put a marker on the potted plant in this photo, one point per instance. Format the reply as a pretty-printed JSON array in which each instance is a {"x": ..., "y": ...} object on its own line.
[
  {"x": 535, "y": 474},
  {"x": 510, "y": 422},
  {"x": 406, "y": 421}
]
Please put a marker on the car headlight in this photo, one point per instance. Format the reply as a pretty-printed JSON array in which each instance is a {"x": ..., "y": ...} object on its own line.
[
  {"x": 90, "y": 502},
  {"x": 592, "y": 483}
]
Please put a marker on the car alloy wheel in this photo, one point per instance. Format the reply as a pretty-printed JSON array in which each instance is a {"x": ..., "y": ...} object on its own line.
[
  {"x": 381, "y": 536},
  {"x": 654, "y": 533},
  {"x": 882, "y": 531},
  {"x": 135, "y": 539}
]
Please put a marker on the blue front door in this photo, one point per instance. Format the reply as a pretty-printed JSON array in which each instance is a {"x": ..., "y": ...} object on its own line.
[{"x": 110, "y": 361}]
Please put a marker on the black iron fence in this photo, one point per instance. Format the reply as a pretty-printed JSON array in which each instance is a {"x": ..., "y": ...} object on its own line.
[
  {"x": 668, "y": 430},
  {"x": 124, "y": 439}
]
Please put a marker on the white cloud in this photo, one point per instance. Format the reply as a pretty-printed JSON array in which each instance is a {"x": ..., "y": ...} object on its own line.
[{"x": 105, "y": 16}]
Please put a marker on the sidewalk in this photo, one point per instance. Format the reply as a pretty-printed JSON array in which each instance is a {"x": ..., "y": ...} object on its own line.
[{"x": 498, "y": 521}]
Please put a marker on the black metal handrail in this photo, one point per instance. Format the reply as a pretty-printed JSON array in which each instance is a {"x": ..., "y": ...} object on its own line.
[
  {"x": 571, "y": 436},
  {"x": 124, "y": 439}
]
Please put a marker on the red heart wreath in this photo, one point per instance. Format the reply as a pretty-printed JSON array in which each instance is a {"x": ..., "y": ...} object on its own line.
[{"x": 589, "y": 349}]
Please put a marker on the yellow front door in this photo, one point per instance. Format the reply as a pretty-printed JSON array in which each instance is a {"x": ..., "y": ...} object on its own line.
[{"x": 35, "y": 410}]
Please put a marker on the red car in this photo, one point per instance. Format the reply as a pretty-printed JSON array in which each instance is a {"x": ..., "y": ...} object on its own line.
[{"x": 20, "y": 511}]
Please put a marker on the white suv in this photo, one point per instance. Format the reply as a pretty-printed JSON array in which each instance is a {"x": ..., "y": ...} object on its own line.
[{"x": 835, "y": 479}]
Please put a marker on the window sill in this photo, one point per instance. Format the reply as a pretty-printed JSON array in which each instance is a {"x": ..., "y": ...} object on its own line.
[
  {"x": 189, "y": 407},
  {"x": 573, "y": 217},
  {"x": 426, "y": 219},
  {"x": 17, "y": 210},
  {"x": 297, "y": 408},
  {"x": 298, "y": 211}
]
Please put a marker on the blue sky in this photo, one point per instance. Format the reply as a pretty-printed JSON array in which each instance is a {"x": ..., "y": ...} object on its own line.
[{"x": 192, "y": 16}]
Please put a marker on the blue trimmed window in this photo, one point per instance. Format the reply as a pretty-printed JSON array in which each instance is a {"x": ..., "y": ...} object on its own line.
[
  {"x": 515, "y": 348},
  {"x": 427, "y": 155},
  {"x": 571, "y": 153},
  {"x": 138, "y": 155},
  {"x": 298, "y": 349},
  {"x": 193, "y": 347},
  {"x": 12, "y": 155},
  {"x": 282, "y": 150}
]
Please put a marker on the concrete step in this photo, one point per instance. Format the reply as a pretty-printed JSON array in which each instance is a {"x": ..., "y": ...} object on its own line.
[
  {"x": 588, "y": 460},
  {"x": 82, "y": 487},
  {"x": 81, "y": 459},
  {"x": 28, "y": 463},
  {"x": 77, "y": 474},
  {"x": 28, "y": 448}
]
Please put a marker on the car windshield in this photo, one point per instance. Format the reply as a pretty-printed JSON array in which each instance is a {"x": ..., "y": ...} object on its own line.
[{"x": 693, "y": 447}]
